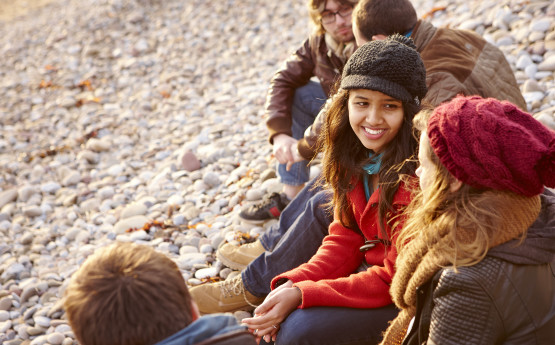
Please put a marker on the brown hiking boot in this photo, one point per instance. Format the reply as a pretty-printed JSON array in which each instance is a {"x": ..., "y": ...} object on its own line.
[
  {"x": 238, "y": 257},
  {"x": 225, "y": 296}
]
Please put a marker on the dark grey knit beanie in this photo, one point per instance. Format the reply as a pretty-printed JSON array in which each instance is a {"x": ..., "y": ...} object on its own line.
[{"x": 391, "y": 66}]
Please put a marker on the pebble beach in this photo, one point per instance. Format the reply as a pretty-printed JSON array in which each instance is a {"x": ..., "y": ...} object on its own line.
[{"x": 143, "y": 121}]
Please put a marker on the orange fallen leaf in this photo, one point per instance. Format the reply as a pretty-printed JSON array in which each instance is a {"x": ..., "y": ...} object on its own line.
[
  {"x": 433, "y": 10},
  {"x": 44, "y": 84},
  {"x": 85, "y": 84}
]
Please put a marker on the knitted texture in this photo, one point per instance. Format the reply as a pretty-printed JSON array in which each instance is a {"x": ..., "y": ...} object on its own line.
[
  {"x": 421, "y": 259},
  {"x": 391, "y": 66},
  {"x": 488, "y": 143}
]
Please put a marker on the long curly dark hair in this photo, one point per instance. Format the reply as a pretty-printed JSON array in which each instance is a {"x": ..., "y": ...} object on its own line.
[{"x": 345, "y": 156}]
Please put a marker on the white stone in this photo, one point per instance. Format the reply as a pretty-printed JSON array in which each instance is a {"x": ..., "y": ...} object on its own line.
[
  {"x": 134, "y": 209},
  {"x": 135, "y": 222},
  {"x": 90, "y": 204},
  {"x": 90, "y": 156},
  {"x": 23, "y": 193},
  {"x": 505, "y": 41},
  {"x": 139, "y": 235},
  {"x": 5, "y": 326},
  {"x": 63, "y": 328},
  {"x": 541, "y": 25},
  {"x": 531, "y": 71},
  {"x": 548, "y": 64},
  {"x": 546, "y": 119},
  {"x": 206, "y": 272},
  {"x": 106, "y": 192},
  {"x": 254, "y": 194},
  {"x": 524, "y": 61},
  {"x": 206, "y": 249},
  {"x": 71, "y": 179},
  {"x": 179, "y": 219},
  {"x": 211, "y": 179},
  {"x": 4, "y": 315},
  {"x": 42, "y": 321},
  {"x": 186, "y": 261},
  {"x": 40, "y": 340},
  {"x": 116, "y": 170},
  {"x": 50, "y": 187},
  {"x": 470, "y": 24},
  {"x": 32, "y": 211},
  {"x": 175, "y": 199},
  {"x": 532, "y": 86},
  {"x": 188, "y": 249},
  {"x": 82, "y": 236},
  {"x": 55, "y": 338},
  {"x": 531, "y": 97},
  {"x": 98, "y": 145}
]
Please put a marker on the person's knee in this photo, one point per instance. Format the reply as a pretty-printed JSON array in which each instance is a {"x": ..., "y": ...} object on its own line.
[
  {"x": 307, "y": 102},
  {"x": 298, "y": 329},
  {"x": 320, "y": 207}
]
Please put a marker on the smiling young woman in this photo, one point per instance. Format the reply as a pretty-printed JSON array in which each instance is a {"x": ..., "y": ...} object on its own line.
[
  {"x": 368, "y": 131},
  {"x": 375, "y": 117}
]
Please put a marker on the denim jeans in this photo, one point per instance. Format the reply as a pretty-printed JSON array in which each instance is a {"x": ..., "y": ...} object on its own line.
[
  {"x": 302, "y": 226},
  {"x": 307, "y": 103},
  {"x": 335, "y": 325}
]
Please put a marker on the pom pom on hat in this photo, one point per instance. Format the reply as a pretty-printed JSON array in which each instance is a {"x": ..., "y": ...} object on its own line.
[{"x": 488, "y": 143}]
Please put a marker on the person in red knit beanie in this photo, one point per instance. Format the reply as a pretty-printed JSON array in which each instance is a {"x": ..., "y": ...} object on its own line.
[
  {"x": 477, "y": 252},
  {"x": 491, "y": 144}
]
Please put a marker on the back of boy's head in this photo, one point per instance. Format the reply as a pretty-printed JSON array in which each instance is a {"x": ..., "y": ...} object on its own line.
[
  {"x": 127, "y": 294},
  {"x": 384, "y": 17}
]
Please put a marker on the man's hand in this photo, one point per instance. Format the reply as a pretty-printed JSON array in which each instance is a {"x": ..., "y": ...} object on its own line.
[
  {"x": 276, "y": 307},
  {"x": 285, "y": 150}
]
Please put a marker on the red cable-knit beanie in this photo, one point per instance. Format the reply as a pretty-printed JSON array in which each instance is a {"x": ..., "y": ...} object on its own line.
[{"x": 488, "y": 143}]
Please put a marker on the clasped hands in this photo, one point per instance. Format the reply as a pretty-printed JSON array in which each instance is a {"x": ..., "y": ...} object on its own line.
[{"x": 281, "y": 302}]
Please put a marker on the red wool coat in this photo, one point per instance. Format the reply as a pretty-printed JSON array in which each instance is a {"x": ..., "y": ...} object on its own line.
[{"x": 330, "y": 277}]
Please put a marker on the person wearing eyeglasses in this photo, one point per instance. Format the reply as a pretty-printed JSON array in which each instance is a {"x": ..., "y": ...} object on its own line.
[{"x": 295, "y": 98}]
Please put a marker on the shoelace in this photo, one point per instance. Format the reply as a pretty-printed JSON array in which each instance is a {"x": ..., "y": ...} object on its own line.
[
  {"x": 230, "y": 288},
  {"x": 249, "y": 245},
  {"x": 234, "y": 287}
]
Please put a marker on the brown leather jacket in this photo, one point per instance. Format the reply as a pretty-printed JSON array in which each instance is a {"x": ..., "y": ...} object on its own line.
[
  {"x": 313, "y": 58},
  {"x": 457, "y": 62}
]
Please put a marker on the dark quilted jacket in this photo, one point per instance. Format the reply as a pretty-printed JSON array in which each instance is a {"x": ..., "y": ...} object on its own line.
[{"x": 507, "y": 298}]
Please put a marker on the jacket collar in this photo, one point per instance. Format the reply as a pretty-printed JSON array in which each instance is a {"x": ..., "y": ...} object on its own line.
[
  {"x": 422, "y": 34},
  {"x": 203, "y": 328},
  {"x": 361, "y": 207}
]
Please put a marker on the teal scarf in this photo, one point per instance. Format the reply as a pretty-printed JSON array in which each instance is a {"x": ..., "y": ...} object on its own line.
[{"x": 371, "y": 168}]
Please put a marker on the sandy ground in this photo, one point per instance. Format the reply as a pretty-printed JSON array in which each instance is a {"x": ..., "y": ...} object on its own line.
[{"x": 11, "y": 9}]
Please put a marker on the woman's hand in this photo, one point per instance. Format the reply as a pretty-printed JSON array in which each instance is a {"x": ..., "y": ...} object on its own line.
[{"x": 276, "y": 307}]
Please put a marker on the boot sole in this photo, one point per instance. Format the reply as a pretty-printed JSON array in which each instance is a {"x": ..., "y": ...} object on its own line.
[
  {"x": 254, "y": 221},
  {"x": 229, "y": 263}
]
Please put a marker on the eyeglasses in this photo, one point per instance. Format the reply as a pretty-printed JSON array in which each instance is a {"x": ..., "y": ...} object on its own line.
[{"x": 329, "y": 17}]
